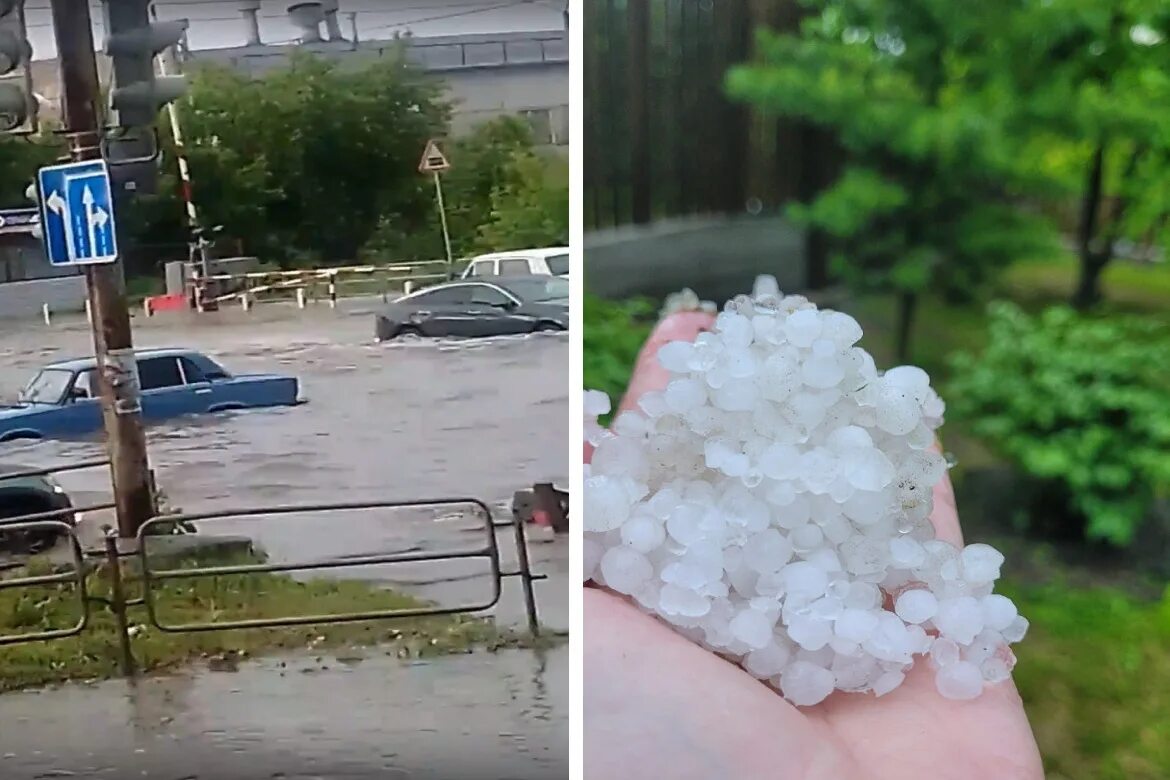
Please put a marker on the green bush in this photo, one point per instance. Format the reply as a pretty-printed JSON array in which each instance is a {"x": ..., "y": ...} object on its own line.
[
  {"x": 614, "y": 334},
  {"x": 1081, "y": 403}
]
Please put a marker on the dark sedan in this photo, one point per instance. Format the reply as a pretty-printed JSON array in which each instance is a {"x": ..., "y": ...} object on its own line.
[
  {"x": 485, "y": 306},
  {"x": 32, "y": 494}
]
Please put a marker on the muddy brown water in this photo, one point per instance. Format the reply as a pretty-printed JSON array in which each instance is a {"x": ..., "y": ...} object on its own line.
[{"x": 384, "y": 422}]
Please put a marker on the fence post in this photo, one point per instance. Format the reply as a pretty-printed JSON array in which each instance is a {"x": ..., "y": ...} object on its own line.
[
  {"x": 300, "y": 297},
  {"x": 526, "y": 575},
  {"x": 332, "y": 292},
  {"x": 407, "y": 287},
  {"x": 118, "y": 602}
]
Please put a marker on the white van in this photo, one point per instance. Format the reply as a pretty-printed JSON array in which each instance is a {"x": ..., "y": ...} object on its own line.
[{"x": 553, "y": 261}]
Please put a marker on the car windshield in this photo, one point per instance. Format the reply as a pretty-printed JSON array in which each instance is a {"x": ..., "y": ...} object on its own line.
[
  {"x": 540, "y": 290},
  {"x": 558, "y": 265},
  {"x": 47, "y": 387}
]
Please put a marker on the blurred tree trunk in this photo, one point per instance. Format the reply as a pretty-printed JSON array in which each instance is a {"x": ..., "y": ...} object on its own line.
[
  {"x": 638, "y": 79},
  {"x": 1088, "y": 290}
]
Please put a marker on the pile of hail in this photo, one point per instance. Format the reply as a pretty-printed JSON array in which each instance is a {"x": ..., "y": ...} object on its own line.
[{"x": 772, "y": 504}]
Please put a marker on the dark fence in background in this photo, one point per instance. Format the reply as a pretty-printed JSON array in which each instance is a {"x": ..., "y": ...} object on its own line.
[{"x": 662, "y": 139}]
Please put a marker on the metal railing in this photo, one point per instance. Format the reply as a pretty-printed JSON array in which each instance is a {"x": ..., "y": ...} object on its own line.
[
  {"x": 318, "y": 284},
  {"x": 74, "y": 577},
  {"x": 150, "y": 578}
]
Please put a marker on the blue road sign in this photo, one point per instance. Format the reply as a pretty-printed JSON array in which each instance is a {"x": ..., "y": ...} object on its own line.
[{"x": 77, "y": 213}]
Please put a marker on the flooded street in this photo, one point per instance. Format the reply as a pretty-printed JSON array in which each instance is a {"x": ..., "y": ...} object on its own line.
[
  {"x": 383, "y": 422},
  {"x": 459, "y": 718}
]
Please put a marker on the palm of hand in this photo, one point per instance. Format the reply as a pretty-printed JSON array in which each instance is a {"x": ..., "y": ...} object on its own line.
[{"x": 656, "y": 705}]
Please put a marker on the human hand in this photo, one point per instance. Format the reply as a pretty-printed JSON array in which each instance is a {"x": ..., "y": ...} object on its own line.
[{"x": 657, "y": 705}]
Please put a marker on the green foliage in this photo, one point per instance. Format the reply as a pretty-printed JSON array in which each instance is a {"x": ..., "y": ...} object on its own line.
[
  {"x": 500, "y": 194},
  {"x": 19, "y": 160},
  {"x": 530, "y": 210},
  {"x": 303, "y": 163},
  {"x": 1081, "y": 402},
  {"x": 614, "y": 335},
  {"x": 1095, "y": 678},
  {"x": 933, "y": 179}
]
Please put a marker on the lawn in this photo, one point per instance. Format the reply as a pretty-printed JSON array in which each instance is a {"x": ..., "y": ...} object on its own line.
[
  {"x": 94, "y": 653},
  {"x": 1094, "y": 671}
]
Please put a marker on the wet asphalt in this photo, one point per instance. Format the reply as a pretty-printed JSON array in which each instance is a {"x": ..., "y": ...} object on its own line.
[{"x": 385, "y": 422}]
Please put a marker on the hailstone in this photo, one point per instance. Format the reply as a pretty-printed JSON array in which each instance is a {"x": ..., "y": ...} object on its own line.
[{"x": 771, "y": 503}]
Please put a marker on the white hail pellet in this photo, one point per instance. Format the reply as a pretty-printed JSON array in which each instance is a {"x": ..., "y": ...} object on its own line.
[{"x": 772, "y": 504}]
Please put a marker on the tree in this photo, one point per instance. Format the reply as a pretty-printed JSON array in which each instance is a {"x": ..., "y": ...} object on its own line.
[
  {"x": 932, "y": 189},
  {"x": 1090, "y": 77},
  {"x": 305, "y": 161},
  {"x": 500, "y": 194},
  {"x": 482, "y": 164},
  {"x": 20, "y": 158},
  {"x": 533, "y": 209}
]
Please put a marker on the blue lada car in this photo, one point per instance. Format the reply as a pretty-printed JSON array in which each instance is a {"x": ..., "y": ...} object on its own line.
[{"x": 62, "y": 401}]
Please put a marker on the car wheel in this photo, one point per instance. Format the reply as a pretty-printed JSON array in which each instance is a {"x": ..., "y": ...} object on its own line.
[
  {"x": 408, "y": 331},
  {"x": 548, "y": 327}
]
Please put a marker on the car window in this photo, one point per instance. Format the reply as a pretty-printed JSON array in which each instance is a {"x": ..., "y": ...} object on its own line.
[
  {"x": 484, "y": 295},
  {"x": 483, "y": 268},
  {"x": 47, "y": 387},
  {"x": 208, "y": 368},
  {"x": 546, "y": 289},
  {"x": 513, "y": 266},
  {"x": 558, "y": 265},
  {"x": 86, "y": 385},
  {"x": 192, "y": 372},
  {"x": 442, "y": 295},
  {"x": 159, "y": 372}
]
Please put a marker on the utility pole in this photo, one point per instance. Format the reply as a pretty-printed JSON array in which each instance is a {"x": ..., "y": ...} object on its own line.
[{"x": 112, "y": 341}]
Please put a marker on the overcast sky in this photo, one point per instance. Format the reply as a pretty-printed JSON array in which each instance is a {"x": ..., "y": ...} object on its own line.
[{"x": 219, "y": 24}]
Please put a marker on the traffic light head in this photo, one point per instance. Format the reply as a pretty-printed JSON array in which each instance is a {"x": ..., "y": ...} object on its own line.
[
  {"x": 133, "y": 43},
  {"x": 15, "y": 54}
]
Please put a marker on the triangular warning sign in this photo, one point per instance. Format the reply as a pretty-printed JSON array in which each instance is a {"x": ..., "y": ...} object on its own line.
[{"x": 433, "y": 160}]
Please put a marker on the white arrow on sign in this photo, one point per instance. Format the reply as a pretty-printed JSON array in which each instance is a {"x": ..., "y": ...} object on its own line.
[
  {"x": 95, "y": 218},
  {"x": 60, "y": 207}
]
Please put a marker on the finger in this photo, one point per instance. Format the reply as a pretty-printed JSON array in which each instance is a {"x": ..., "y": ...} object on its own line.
[
  {"x": 945, "y": 515},
  {"x": 648, "y": 374}
]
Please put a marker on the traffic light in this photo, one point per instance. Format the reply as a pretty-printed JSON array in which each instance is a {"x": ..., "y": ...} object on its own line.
[
  {"x": 15, "y": 54},
  {"x": 132, "y": 43}
]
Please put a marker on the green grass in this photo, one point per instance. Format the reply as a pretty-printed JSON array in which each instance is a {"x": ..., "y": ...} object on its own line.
[
  {"x": 1094, "y": 670},
  {"x": 1095, "y": 678},
  {"x": 94, "y": 654}
]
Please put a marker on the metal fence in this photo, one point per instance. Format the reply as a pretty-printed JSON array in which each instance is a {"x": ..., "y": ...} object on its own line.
[
  {"x": 314, "y": 284},
  {"x": 150, "y": 576}
]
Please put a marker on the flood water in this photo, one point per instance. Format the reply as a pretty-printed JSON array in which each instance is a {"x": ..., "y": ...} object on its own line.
[
  {"x": 458, "y": 718},
  {"x": 389, "y": 422}
]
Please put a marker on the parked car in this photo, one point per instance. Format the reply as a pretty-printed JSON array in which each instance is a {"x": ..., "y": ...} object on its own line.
[
  {"x": 30, "y": 495},
  {"x": 553, "y": 261},
  {"x": 498, "y": 306},
  {"x": 62, "y": 400}
]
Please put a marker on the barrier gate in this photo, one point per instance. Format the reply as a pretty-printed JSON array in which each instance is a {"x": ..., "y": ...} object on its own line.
[{"x": 151, "y": 578}]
